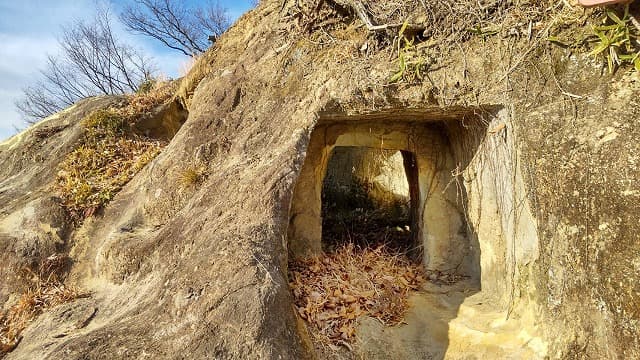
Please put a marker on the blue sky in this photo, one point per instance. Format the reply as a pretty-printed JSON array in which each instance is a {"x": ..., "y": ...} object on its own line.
[{"x": 29, "y": 31}]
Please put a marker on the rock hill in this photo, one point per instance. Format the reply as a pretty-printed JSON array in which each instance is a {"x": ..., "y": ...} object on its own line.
[{"x": 522, "y": 160}]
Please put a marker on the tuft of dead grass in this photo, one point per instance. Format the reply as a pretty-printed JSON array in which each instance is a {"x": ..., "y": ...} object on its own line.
[
  {"x": 104, "y": 123},
  {"x": 453, "y": 21},
  {"x": 47, "y": 290},
  {"x": 144, "y": 102},
  {"x": 110, "y": 155},
  {"x": 191, "y": 176},
  {"x": 332, "y": 291},
  {"x": 90, "y": 176}
]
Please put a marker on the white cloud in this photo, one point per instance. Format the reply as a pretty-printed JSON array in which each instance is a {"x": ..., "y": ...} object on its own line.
[
  {"x": 7, "y": 111},
  {"x": 24, "y": 54}
]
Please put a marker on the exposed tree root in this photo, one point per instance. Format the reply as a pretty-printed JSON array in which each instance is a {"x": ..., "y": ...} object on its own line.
[{"x": 359, "y": 9}]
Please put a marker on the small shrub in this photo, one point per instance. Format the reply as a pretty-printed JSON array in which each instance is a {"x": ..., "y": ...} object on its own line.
[
  {"x": 104, "y": 123},
  {"x": 191, "y": 176},
  {"x": 412, "y": 64},
  {"x": 146, "y": 86}
]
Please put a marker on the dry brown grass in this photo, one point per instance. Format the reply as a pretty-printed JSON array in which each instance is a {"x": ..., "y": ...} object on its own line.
[
  {"x": 110, "y": 156},
  {"x": 191, "y": 176},
  {"x": 452, "y": 21},
  {"x": 333, "y": 290},
  {"x": 47, "y": 290},
  {"x": 90, "y": 176},
  {"x": 186, "y": 65},
  {"x": 144, "y": 102}
]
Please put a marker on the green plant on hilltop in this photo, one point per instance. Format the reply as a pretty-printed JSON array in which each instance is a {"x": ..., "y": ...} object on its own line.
[
  {"x": 412, "y": 64},
  {"x": 616, "y": 40}
]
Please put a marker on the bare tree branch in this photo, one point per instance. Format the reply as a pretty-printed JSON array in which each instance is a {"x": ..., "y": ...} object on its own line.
[
  {"x": 176, "y": 25},
  {"x": 92, "y": 62}
]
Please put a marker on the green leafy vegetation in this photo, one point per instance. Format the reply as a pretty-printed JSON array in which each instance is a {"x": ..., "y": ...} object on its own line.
[
  {"x": 412, "y": 64},
  {"x": 616, "y": 40}
]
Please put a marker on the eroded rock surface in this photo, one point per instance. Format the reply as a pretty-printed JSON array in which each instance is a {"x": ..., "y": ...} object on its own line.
[{"x": 200, "y": 271}]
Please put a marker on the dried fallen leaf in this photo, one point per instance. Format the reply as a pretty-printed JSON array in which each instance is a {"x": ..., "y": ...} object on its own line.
[
  {"x": 332, "y": 291},
  {"x": 349, "y": 299}
]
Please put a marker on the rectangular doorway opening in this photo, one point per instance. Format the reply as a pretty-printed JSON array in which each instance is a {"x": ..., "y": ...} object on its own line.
[
  {"x": 366, "y": 199},
  {"x": 381, "y": 222}
]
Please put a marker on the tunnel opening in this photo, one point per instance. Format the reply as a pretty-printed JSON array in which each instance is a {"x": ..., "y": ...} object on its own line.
[
  {"x": 366, "y": 199},
  {"x": 395, "y": 182},
  {"x": 443, "y": 189}
]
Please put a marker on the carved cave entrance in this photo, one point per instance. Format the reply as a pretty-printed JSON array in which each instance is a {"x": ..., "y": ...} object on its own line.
[
  {"x": 366, "y": 198},
  {"x": 449, "y": 190},
  {"x": 405, "y": 169}
]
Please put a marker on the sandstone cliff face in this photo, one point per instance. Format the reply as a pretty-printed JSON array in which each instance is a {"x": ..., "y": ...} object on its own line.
[
  {"x": 584, "y": 178},
  {"x": 200, "y": 272},
  {"x": 33, "y": 225}
]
